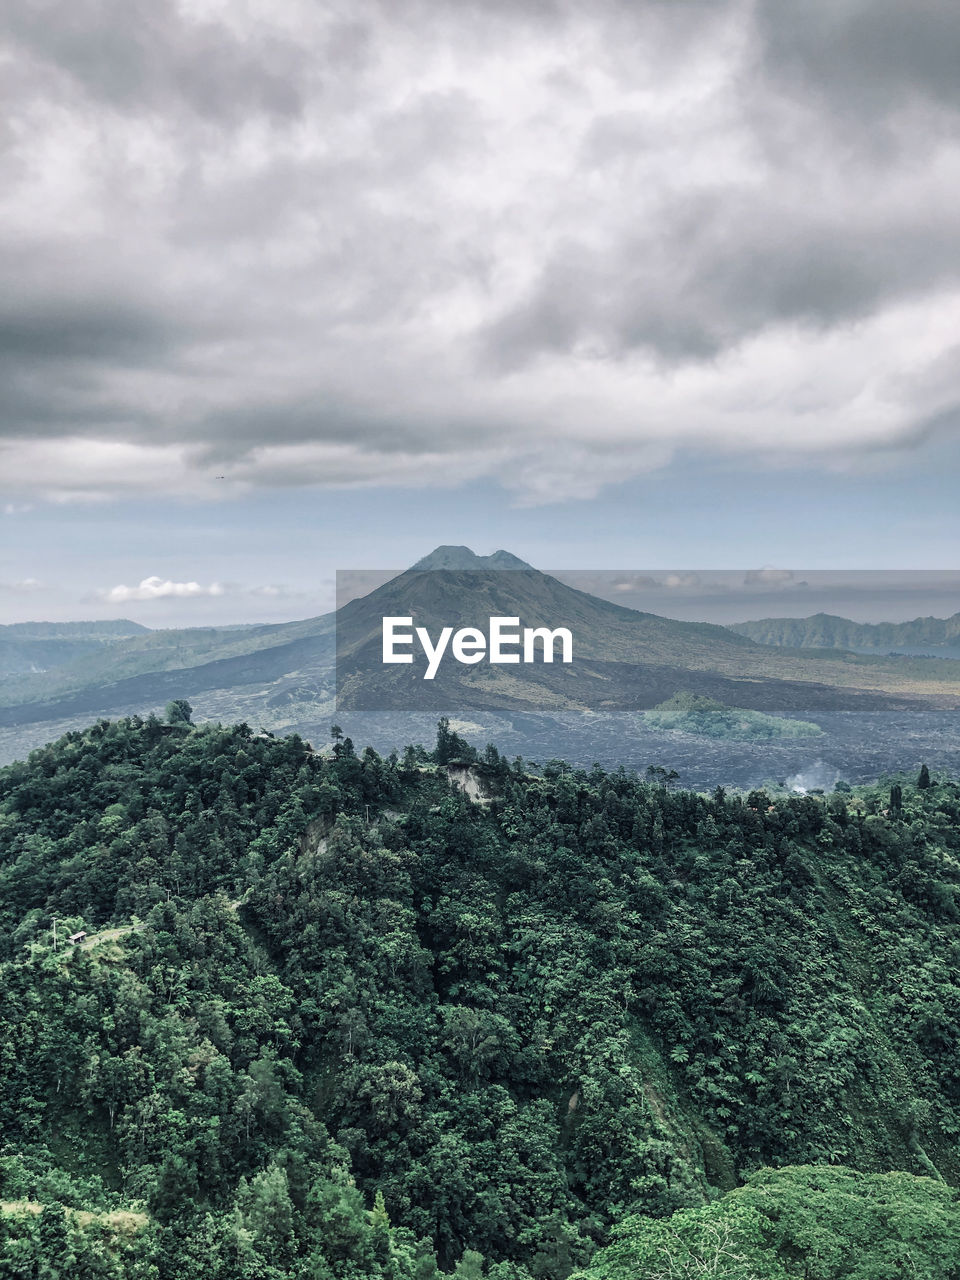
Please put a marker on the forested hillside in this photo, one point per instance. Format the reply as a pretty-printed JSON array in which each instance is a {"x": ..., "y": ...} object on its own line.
[
  {"x": 343, "y": 1017},
  {"x": 31, "y": 648}
]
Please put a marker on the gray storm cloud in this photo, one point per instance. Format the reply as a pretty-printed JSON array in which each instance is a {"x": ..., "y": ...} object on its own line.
[{"x": 424, "y": 243}]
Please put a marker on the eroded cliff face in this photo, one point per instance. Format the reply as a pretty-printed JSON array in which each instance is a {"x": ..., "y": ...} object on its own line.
[{"x": 468, "y": 781}]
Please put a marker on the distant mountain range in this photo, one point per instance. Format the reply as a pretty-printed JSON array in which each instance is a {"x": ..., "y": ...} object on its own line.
[
  {"x": 826, "y": 631},
  {"x": 282, "y": 676}
]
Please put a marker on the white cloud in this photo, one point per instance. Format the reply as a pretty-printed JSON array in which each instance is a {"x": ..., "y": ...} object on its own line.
[
  {"x": 73, "y": 469},
  {"x": 275, "y": 591},
  {"x": 768, "y": 576},
  {"x": 157, "y": 589},
  {"x": 25, "y": 587},
  {"x": 422, "y": 244}
]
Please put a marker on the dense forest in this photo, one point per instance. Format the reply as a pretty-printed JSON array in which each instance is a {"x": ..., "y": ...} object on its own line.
[{"x": 269, "y": 1012}]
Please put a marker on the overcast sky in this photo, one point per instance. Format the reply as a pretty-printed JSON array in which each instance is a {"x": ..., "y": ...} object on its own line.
[{"x": 288, "y": 287}]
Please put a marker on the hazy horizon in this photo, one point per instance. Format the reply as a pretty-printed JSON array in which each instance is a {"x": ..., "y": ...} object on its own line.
[{"x": 693, "y": 595}]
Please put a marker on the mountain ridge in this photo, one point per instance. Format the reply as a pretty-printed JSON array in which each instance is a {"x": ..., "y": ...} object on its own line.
[
  {"x": 827, "y": 630},
  {"x": 49, "y": 630},
  {"x": 448, "y": 556}
]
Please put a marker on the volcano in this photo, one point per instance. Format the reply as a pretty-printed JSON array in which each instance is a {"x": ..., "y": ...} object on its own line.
[{"x": 287, "y": 675}]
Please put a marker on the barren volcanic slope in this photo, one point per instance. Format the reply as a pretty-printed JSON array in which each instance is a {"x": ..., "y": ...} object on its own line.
[{"x": 283, "y": 674}]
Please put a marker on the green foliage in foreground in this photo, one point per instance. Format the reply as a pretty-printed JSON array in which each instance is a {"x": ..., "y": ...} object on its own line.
[
  {"x": 808, "y": 1223},
  {"x": 48, "y": 1240},
  {"x": 332, "y": 1020},
  {"x": 694, "y": 713}
]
